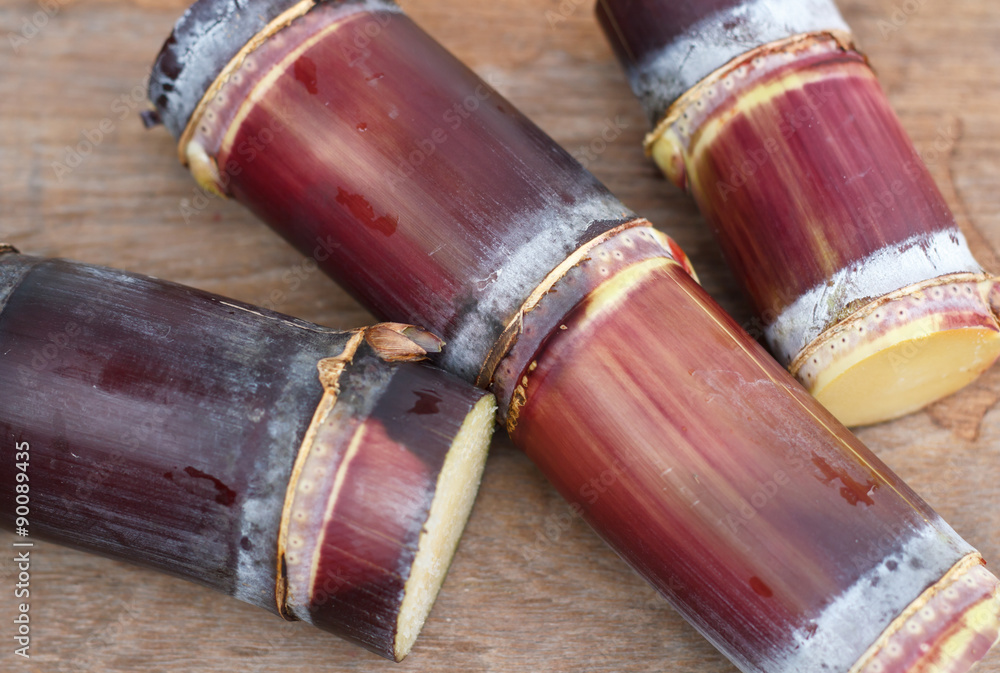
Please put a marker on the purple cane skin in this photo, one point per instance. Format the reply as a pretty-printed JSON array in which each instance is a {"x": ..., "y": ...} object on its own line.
[
  {"x": 820, "y": 203},
  {"x": 452, "y": 176},
  {"x": 164, "y": 422},
  {"x": 758, "y": 214},
  {"x": 754, "y": 518},
  {"x": 611, "y": 357}
]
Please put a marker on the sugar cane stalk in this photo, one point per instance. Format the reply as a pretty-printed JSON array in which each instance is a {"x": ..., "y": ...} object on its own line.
[
  {"x": 322, "y": 475},
  {"x": 767, "y": 113}
]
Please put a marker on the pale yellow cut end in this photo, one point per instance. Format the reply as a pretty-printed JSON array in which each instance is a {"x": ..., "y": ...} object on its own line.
[
  {"x": 456, "y": 492},
  {"x": 906, "y": 374},
  {"x": 903, "y": 351}
]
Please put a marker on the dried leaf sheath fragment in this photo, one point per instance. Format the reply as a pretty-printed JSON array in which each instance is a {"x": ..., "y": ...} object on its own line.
[
  {"x": 395, "y": 342},
  {"x": 821, "y": 204},
  {"x": 164, "y": 430}
]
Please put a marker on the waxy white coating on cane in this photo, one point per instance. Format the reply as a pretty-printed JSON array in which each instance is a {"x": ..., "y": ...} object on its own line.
[
  {"x": 560, "y": 228},
  {"x": 895, "y": 266},
  {"x": 714, "y": 41},
  {"x": 858, "y": 615}
]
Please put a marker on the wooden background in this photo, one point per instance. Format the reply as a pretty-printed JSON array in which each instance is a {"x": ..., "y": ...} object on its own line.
[{"x": 575, "y": 606}]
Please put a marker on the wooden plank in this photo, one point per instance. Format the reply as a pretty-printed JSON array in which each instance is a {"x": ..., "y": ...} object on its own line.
[{"x": 574, "y": 607}]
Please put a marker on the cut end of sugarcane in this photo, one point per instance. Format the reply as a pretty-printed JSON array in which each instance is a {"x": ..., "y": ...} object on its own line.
[
  {"x": 948, "y": 629},
  {"x": 456, "y": 492},
  {"x": 947, "y": 362},
  {"x": 902, "y": 352}
]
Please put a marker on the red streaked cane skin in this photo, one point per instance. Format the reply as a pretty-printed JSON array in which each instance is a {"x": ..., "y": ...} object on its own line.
[
  {"x": 826, "y": 214},
  {"x": 498, "y": 222},
  {"x": 162, "y": 425},
  {"x": 801, "y": 169},
  {"x": 748, "y": 505},
  {"x": 769, "y": 116},
  {"x": 431, "y": 221}
]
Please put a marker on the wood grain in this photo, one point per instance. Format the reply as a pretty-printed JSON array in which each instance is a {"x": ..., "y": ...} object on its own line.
[{"x": 573, "y": 606}]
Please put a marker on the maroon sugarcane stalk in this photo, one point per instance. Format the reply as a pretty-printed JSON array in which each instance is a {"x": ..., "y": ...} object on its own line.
[
  {"x": 319, "y": 474},
  {"x": 693, "y": 453},
  {"x": 767, "y": 113}
]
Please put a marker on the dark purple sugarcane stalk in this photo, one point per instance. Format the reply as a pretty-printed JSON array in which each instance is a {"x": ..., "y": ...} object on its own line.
[
  {"x": 312, "y": 472},
  {"x": 443, "y": 204},
  {"x": 767, "y": 113}
]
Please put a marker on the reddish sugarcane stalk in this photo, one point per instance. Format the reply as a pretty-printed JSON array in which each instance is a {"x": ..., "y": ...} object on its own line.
[
  {"x": 321, "y": 475},
  {"x": 429, "y": 197},
  {"x": 766, "y": 112}
]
